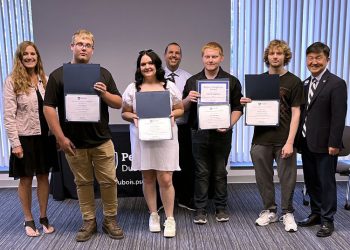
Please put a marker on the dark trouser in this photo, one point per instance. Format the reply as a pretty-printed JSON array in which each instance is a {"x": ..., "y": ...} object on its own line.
[
  {"x": 210, "y": 151},
  {"x": 319, "y": 176},
  {"x": 184, "y": 180},
  {"x": 263, "y": 157}
]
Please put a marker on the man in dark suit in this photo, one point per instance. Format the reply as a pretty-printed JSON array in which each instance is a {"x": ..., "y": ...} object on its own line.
[{"x": 321, "y": 129}]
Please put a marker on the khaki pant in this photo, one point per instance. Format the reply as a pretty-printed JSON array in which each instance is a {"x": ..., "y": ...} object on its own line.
[{"x": 99, "y": 160}]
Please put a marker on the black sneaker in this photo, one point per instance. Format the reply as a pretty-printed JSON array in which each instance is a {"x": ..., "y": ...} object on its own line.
[
  {"x": 200, "y": 216},
  {"x": 221, "y": 215}
]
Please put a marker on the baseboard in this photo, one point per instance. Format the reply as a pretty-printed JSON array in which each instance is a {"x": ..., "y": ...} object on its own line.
[{"x": 234, "y": 176}]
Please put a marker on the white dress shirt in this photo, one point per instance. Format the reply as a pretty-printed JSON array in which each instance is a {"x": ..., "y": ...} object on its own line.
[{"x": 180, "y": 82}]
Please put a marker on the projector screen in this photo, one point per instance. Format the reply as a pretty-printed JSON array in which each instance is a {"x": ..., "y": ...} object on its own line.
[{"x": 123, "y": 28}]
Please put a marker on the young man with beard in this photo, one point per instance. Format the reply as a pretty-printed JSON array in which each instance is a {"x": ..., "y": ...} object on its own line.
[{"x": 277, "y": 143}]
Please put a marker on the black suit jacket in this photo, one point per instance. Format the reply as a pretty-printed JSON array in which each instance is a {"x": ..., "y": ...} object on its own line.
[{"x": 325, "y": 114}]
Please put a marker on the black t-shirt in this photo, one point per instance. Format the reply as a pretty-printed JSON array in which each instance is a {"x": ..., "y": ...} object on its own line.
[
  {"x": 291, "y": 95},
  {"x": 82, "y": 134},
  {"x": 235, "y": 94}
]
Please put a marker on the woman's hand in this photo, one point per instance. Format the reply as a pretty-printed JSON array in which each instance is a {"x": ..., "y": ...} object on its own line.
[{"x": 18, "y": 152}]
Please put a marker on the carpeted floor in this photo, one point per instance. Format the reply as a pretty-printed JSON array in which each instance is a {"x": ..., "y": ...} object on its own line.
[{"x": 240, "y": 232}]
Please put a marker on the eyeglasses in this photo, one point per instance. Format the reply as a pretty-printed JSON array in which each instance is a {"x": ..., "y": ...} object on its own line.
[
  {"x": 145, "y": 51},
  {"x": 82, "y": 45}
]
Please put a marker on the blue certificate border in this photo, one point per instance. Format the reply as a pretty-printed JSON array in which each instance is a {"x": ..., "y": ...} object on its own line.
[{"x": 225, "y": 81}]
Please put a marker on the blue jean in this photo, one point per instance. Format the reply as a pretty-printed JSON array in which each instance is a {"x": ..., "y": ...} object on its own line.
[{"x": 210, "y": 151}]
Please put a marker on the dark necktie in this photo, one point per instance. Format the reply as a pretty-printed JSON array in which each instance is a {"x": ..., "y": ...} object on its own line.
[
  {"x": 171, "y": 76},
  {"x": 309, "y": 98}
]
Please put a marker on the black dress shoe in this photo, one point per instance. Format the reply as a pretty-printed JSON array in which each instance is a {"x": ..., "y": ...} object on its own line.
[
  {"x": 312, "y": 220},
  {"x": 326, "y": 229}
]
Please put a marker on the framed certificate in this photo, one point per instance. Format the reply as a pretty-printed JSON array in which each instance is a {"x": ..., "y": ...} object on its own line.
[
  {"x": 214, "y": 116},
  {"x": 82, "y": 108},
  {"x": 213, "y": 107},
  {"x": 262, "y": 113},
  {"x": 213, "y": 91}
]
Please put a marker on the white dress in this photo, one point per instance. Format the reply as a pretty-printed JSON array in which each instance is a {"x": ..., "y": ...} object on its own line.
[{"x": 157, "y": 155}]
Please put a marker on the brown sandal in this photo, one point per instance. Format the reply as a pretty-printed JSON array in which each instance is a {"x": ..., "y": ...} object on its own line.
[
  {"x": 46, "y": 226},
  {"x": 31, "y": 224}
]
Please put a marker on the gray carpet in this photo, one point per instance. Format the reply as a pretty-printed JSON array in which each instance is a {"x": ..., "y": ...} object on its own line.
[{"x": 239, "y": 233}]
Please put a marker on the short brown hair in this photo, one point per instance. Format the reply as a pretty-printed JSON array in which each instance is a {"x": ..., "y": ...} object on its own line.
[
  {"x": 278, "y": 44},
  {"x": 213, "y": 45}
]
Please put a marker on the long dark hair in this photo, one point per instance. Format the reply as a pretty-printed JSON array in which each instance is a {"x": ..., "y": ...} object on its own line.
[{"x": 160, "y": 73}]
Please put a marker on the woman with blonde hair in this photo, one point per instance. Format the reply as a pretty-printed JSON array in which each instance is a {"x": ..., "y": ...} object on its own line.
[{"x": 33, "y": 151}]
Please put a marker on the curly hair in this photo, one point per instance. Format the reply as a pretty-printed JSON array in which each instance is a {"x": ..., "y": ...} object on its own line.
[
  {"x": 278, "y": 44},
  {"x": 160, "y": 73},
  {"x": 21, "y": 78}
]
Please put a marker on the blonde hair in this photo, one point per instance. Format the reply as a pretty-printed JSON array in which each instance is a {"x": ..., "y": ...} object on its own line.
[
  {"x": 84, "y": 34},
  {"x": 213, "y": 45},
  {"x": 20, "y": 77},
  {"x": 278, "y": 44}
]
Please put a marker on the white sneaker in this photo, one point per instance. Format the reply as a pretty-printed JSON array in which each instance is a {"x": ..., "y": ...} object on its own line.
[
  {"x": 154, "y": 224},
  {"x": 266, "y": 217},
  {"x": 170, "y": 227},
  {"x": 289, "y": 222}
]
